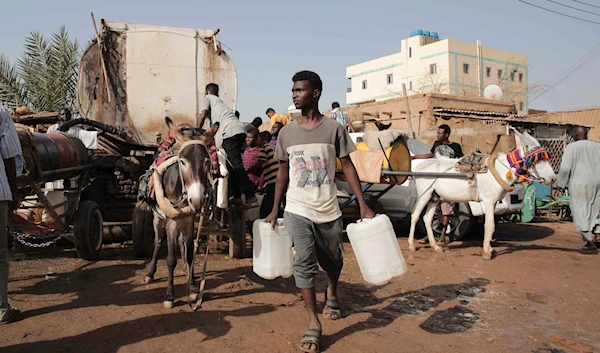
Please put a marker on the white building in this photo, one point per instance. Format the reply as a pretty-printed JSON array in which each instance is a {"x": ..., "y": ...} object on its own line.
[{"x": 427, "y": 63}]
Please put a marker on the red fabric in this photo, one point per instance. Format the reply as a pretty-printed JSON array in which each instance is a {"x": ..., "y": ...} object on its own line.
[
  {"x": 169, "y": 141},
  {"x": 250, "y": 158}
]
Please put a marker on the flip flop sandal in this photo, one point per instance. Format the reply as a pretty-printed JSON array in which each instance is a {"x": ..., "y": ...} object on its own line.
[
  {"x": 11, "y": 315},
  {"x": 423, "y": 241},
  {"x": 312, "y": 337},
  {"x": 589, "y": 249},
  {"x": 332, "y": 311}
]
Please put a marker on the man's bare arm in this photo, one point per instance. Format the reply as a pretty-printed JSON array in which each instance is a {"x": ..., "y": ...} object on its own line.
[
  {"x": 281, "y": 183},
  {"x": 200, "y": 119},
  {"x": 354, "y": 183}
]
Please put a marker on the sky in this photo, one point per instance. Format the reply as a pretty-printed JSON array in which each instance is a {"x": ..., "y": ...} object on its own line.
[{"x": 270, "y": 40}]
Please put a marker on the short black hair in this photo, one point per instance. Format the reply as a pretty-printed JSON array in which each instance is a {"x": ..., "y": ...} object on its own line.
[
  {"x": 265, "y": 136},
  {"x": 446, "y": 128},
  {"x": 278, "y": 123},
  {"x": 237, "y": 114},
  {"x": 335, "y": 105},
  {"x": 212, "y": 88},
  {"x": 313, "y": 79},
  {"x": 270, "y": 110},
  {"x": 257, "y": 121}
]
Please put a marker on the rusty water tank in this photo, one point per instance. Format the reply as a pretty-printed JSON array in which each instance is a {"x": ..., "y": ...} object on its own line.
[{"x": 60, "y": 155}]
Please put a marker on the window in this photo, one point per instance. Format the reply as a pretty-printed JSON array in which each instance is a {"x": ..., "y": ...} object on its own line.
[
  {"x": 521, "y": 106},
  {"x": 499, "y": 74},
  {"x": 390, "y": 79},
  {"x": 364, "y": 84},
  {"x": 520, "y": 77},
  {"x": 410, "y": 86},
  {"x": 410, "y": 52},
  {"x": 512, "y": 76},
  {"x": 433, "y": 69},
  {"x": 488, "y": 71},
  {"x": 466, "y": 68}
]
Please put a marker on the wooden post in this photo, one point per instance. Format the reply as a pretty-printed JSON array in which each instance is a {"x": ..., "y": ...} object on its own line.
[
  {"x": 98, "y": 40},
  {"x": 408, "y": 117}
]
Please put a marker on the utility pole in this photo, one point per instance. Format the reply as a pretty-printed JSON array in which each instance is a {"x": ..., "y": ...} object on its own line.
[{"x": 408, "y": 117}]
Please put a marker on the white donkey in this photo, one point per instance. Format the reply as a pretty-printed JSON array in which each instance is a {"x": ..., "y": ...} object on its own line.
[{"x": 489, "y": 187}]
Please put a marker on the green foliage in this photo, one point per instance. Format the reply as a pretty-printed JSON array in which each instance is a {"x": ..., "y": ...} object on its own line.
[{"x": 45, "y": 77}]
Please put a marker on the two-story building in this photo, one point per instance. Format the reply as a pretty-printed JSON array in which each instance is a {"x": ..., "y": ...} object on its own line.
[{"x": 427, "y": 63}]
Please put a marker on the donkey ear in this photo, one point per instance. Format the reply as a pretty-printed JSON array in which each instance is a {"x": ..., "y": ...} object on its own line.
[
  {"x": 210, "y": 133},
  {"x": 175, "y": 131}
]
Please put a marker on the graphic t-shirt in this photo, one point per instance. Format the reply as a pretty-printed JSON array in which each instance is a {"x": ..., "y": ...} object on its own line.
[
  {"x": 452, "y": 150},
  {"x": 312, "y": 154}
]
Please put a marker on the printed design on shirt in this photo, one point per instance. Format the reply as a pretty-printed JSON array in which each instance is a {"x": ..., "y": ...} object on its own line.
[{"x": 310, "y": 169}]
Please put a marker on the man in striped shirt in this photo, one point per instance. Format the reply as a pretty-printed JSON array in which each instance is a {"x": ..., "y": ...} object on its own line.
[
  {"x": 270, "y": 166},
  {"x": 10, "y": 147},
  {"x": 341, "y": 116}
]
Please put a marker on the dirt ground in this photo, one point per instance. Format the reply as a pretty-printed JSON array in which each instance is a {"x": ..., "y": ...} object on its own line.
[{"x": 538, "y": 286}]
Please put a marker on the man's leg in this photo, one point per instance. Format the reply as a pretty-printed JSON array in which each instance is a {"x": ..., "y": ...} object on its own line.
[
  {"x": 305, "y": 270},
  {"x": 330, "y": 255},
  {"x": 268, "y": 200},
  {"x": 447, "y": 211},
  {"x": 7, "y": 314},
  {"x": 588, "y": 238},
  {"x": 233, "y": 148}
]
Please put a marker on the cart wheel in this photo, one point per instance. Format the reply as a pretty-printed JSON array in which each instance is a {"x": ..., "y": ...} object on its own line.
[
  {"x": 237, "y": 232},
  {"x": 88, "y": 230},
  {"x": 142, "y": 230}
]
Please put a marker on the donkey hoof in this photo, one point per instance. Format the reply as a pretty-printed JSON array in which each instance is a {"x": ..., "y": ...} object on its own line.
[
  {"x": 439, "y": 249},
  {"x": 168, "y": 304},
  {"x": 412, "y": 248},
  {"x": 487, "y": 255},
  {"x": 148, "y": 280}
]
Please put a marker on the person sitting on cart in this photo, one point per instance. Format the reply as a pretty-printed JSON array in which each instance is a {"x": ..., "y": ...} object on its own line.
[
  {"x": 231, "y": 137},
  {"x": 444, "y": 147},
  {"x": 270, "y": 166},
  {"x": 250, "y": 158}
]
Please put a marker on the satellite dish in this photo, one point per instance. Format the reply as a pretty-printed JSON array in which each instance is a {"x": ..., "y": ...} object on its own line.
[{"x": 493, "y": 92}]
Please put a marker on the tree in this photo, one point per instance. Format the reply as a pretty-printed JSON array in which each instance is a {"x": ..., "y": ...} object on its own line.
[{"x": 45, "y": 77}]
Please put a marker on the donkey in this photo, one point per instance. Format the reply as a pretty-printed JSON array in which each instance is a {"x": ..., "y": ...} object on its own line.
[
  {"x": 180, "y": 184},
  {"x": 490, "y": 187}
]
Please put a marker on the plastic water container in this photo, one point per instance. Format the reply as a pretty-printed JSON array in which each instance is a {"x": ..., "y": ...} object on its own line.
[
  {"x": 272, "y": 250},
  {"x": 376, "y": 249}
]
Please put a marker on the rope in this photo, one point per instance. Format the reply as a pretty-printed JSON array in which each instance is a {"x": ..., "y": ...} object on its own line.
[
  {"x": 165, "y": 205},
  {"x": 492, "y": 169}
]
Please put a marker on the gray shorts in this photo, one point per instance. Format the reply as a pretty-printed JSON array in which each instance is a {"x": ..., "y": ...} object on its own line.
[{"x": 314, "y": 245}]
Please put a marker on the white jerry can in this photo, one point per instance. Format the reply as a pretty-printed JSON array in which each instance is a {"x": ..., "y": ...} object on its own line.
[
  {"x": 376, "y": 248},
  {"x": 272, "y": 250}
]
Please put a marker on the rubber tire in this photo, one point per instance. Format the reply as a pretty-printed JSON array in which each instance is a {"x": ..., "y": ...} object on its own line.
[
  {"x": 237, "y": 232},
  {"x": 142, "y": 230},
  {"x": 88, "y": 215}
]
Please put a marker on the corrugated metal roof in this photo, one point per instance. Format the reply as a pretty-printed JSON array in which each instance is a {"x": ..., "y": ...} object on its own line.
[
  {"x": 475, "y": 112},
  {"x": 586, "y": 117}
]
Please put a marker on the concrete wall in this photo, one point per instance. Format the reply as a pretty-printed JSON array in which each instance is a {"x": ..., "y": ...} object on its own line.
[{"x": 412, "y": 66}]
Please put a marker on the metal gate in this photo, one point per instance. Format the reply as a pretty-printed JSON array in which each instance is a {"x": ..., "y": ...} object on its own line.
[{"x": 554, "y": 139}]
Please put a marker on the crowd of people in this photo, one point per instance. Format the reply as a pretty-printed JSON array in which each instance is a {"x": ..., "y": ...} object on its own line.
[{"x": 293, "y": 164}]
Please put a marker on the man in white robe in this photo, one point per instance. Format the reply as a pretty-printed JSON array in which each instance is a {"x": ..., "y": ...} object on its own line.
[{"x": 580, "y": 172}]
